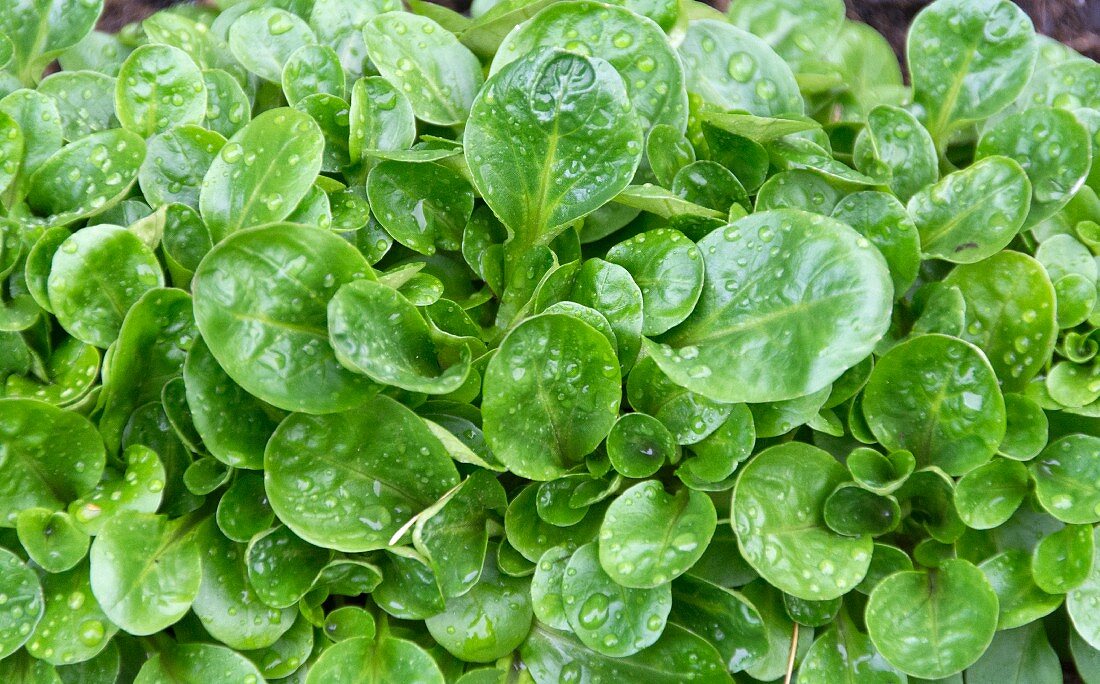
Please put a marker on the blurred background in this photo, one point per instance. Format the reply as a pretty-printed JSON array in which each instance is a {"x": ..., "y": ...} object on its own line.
[{"x": 1074, "y": 22}]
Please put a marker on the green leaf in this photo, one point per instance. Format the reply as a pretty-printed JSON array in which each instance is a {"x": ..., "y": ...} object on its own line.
[
  {"x": 610, "y": 290},
  {"x": 488, "y": 29},
  {"x": 799, "y": 189},
  {"x": 546, "y": 598},
  {"x": 287, "y": 655},
  {"x": 86, "y": 177},
  {"x": 228, "y": 607},
  {"x": 330, "y": 113},
  {"x": 263, "y": 40},
  {"x": 176, "y": 161},
  {"x": 778, "y": 626},
  {"x": 897, "y": 150},
  {"x": 777, "y": 513},
  {"x": 145, "y": 571},
  {"x": 376, "y": 331},
  {"x": 348, "y": 622},
  {"x": 780, "y": 417},
  {"x": 1062, "y": 560},
  {"x": 667, "y": 151},
  {"x": 1067, "y": 479},
  {"x": 987, "y": 496},
  {"x": 853, "y": 511},
  {"x": 1020, "y": 600},
  {"x": 717, "y": 455},
  {"x": 159, "y": 87},
  {"x": 1051, "y": 147},
  {"x": 282, "y": 568},
  {"x": 51, "y": 539},
  {"x": 1081, "y": 602},
  {"x": 51, "y": 457},
  {"x": 933, "y": 623},
  {"x": 972, "y": 214},
  {"x": 151, "y": 347},
  {"x": 212, "y": 394},
  {"x": 39, "y": 122},
  {"x": 747, "y": 339},
  {"x": 440, "y": 76},
  {"x": 1085, "y": 657},
  {"x": 140, "y": 489},
  {"x": 423, "y": 206},
  {"x": 71, "y": 370},
  {"x": 969, "y": 59},
  {"x": 639, "y": 444},
  {"x": 726, "y": 619},
  {"x": 607, "y": 617},
  {"x": 883, "y": 220},
  {"x": 307, "y": 452},
  {"x": 97, "y": 275},
  {"x": 340, "y": 23},
  {"x": 734, "y": 70},
  {"x": 664, "y": 203},
  {"x": 501, "y": 604},
  {"x": 843, "y": 653},
  {"x": 557, "y": 101},
  {"x": 25, "y": 605},
  {"x": 408, "y": 589},
  {"x": 538, "y": 373},
  {"x": 631, "y": 550},
  {"x": 1018, "y": 656},
  {"x": 11, "y": 150},
  {"x": 73, "y": 628},
  {"x": 366, "y": 661},
  {"x": 950, "y": 415},
  {"x": 7, "y": 50},
  {"x": 313, "y": 69},
  {"x": 85, "y": 101},
  {"x": 40, "y": 31},
  {"x": 294, "y": 367},
  {"x": 634, "y": 45},
  {"x": 244, "y": 511},
  {"x": 709, "y": 184},
  {"x": 196, "y": 663},
  {"x": 262, "y": 173},
  {"x": 381, "y": 118},
  {"x": 796, "y": 30},
  {"x": 453, "y": 533},
  {"x": 227, "y": 106},
  {"x": 551, "y": 655},
  {"x": 532, "y": 536},
  {"x": 1009, "y": 314}
]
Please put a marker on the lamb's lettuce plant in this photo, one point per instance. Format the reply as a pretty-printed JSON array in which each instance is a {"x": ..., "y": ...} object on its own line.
[{"x": 567, "y": 341}]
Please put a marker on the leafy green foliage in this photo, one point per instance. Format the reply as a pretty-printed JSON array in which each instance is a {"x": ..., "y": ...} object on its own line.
[{"x": 561, "y": 342}]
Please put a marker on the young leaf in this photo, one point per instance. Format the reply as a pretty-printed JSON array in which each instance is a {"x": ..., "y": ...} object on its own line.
[
  {"x": 159, "y": 87},
  {"x": 777, "y": 513},
  {"x": 558, "y": 101},
  {"x": 969, "y": 60},
  {"x": 441, "y": 87},
  {"x": 358, "y": 446},
  {"x": 262, "y": 173},
  {"x": 725, "y": 350},
  {"x": 289, "y": 313},
  {"x": 734, "y": 70},
  {"x": 635, "y": 46},
  {"x": 933, "y": 623},
  {"x": 540, "y": 370}
]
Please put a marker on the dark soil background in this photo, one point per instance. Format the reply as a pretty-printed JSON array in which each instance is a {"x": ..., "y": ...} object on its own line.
[{"x": 1074, "y": 22}]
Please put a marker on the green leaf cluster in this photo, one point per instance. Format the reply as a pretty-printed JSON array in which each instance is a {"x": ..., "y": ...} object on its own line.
[{"x": 567, "y": 341}]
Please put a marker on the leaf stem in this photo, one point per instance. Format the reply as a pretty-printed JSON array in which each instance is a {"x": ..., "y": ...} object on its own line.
[{"x": 790, "y": 658}]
